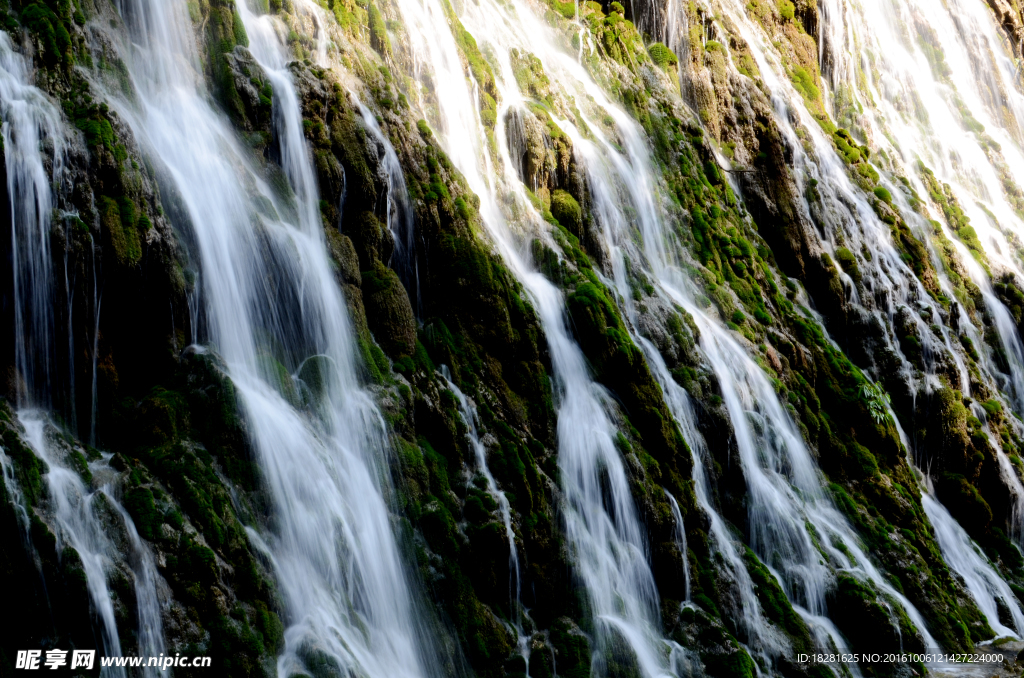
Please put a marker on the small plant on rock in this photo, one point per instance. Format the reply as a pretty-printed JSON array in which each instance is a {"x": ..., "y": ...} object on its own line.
[{"x": 877, "y": 401}]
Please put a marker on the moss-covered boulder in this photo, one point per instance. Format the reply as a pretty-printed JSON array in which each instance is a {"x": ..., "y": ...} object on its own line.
[
  {"x": 389, "y": 312},
  {"x": 567, "y": 211}
]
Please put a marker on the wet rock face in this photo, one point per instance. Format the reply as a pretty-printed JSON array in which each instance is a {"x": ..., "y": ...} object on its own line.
[
  {"x": 389, "y": 311},
  {"x": 445, "y": 298},
  {"x": 868, "y": 621},
  {"x": 1010, "y": 16},
  {"x": 254, "y": 92}
]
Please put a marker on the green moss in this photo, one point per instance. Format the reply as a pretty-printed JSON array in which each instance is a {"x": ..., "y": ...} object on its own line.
[
  {"x": 848, "y": 262},
  {"x": 867, "y": 619},
  {"x": 573, "y": 650},
  {"x": 238, "y": 29},
  {"x": 478, "y": 66},
  {"x": 804, "y": 82},
  {"x": 389, "y": 311},
  {"x": 139, "y": 503},
  {"x": 28, "y": 468},
  {"x": 51, "y": 31},
  {"x": 567, "y": 211},
  {"x": 736, "y": 664},
  {"x": 958, "y": 222},
  {"x": 774, "y": 604},
  {"x": 378, "y": 30},
  {"x": 662, "y": 56},
  {"x": 964, "y": 502},
  {"x": 120, "y": 229}
]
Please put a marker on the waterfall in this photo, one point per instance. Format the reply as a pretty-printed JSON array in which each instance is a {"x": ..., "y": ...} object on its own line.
[
  {"x": 750, "y": 618},
  {"x": 925, "y": 84},
  {"x": 33, "y": 133},
  {"x": 779, "y": 513},
  {"x": 396, "y": 208},
  {"x": 785, "y": 488},
  {"x": 271, "y": 302},
  {"x": 907, "y": 75},
  {"x": 938, "y": 67},
  {"x": 608, "y": 543},
  {"x": 985, "y": 585},
  {"x": 467, "y": 411},
  {"x": 78, "y": 525},
  {"x": 953, "y": 62},
  {"x": 681, "y": 543},
  {"x": 31, "y": 122},
  {"x": 82, "y": 519},
  {"x": 14, "y": 494}
]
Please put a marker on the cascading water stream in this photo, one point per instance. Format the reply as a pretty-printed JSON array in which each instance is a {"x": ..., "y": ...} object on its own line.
[
  {"x": 947, "y": 70},
  {"x": 608, "y": 544},
  {"x": 14, "y": 494},
  {"x": 396, "y": 206},
  {"x": 33, "y": 131},
  {"x": 78, "y": 526},
  {"x": 778, "y": 515},
  {"x": 984, "y": 584},
  {"x": 785, "y": 489},
  {"x": 848, "y": 216},
  {"x": 761, "y": 639},
  {"x": 982, "y": 581},
  {"x": 469, "y": 417},
  {"x": 801, "y": 570},
  {"x": 30, "y": 121},
  {"x": 908, "y": 71},
  {"x": 966, "y": 559},
  {"x": 151, "y": 639},
  {"x": 348, "y": 602},
  {"x": 677, "y": 515}
]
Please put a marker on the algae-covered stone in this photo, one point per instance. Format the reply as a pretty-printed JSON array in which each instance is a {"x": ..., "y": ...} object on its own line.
[
  {"x": 372, "y": 239},
  {"x": 872, "y": 621},
  {"x": 565, "y": 208},
  {"x": 344, "y": 253},
  {"x": 389, "y": 312},
  {"x": 120, "y": 228}
]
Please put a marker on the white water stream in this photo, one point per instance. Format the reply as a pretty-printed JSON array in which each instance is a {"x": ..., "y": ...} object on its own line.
[
  {"x": 331, "y": 543},
  {"x": 81, "y": 523},
  {"x": 607, "y": 540},
  {"x": 276, "y": 317},
  {"x": 900, "y": 87},
  {"x": 917, "y": 105},
  {"x": 34, "y": 146},
  {"x": 785, "y": 488},
  {"x": 941, "y": 77},
  {"x": 467, "y": 409},
  {"x": 31, "y": 130}
]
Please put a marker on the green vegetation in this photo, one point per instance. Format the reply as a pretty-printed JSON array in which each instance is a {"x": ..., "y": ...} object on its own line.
[
  {"x": 662, "y": 55},
  {"x": 958, "y": 222}
]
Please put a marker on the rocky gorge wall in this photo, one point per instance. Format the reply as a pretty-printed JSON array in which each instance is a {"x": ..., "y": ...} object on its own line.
[{"x": 133, "y": 383}]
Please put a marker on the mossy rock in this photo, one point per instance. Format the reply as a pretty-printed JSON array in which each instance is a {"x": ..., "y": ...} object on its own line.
[
  {"x": 730, "y": 664},
  {"x": 117, "y": 218},
  {"x": 662, "y": 55},
  {"x": 343, "y": 251},
  {"x": 371, "y": 238},
  {"x": 867, "y": 618},
  {"x": 964, "y": 502},
  {"x": 50, "y": 30},
  {"x": 848, "y": 261},
  {"x": 567, "y": 211},
  {"x": 389, "y": 312}
]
